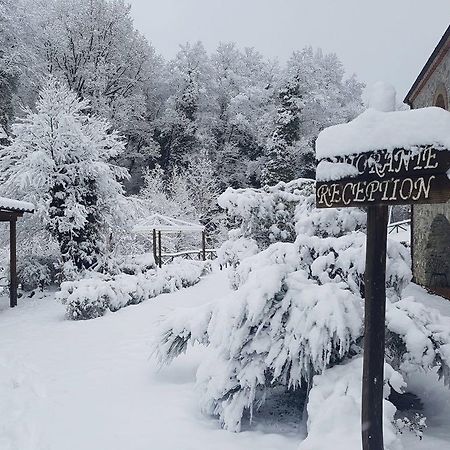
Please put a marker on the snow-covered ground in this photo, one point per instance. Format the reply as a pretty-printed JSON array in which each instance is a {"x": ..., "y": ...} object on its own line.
[
  {"x": 103, "y": 391},
  {"x": 401, "y": 235},
  {"x": 92, "y": 385}
]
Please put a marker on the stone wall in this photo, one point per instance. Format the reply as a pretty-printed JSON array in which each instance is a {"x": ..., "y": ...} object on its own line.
[
  {"x": 431, "y": 223},
  {"x": 431, "y": 245}
]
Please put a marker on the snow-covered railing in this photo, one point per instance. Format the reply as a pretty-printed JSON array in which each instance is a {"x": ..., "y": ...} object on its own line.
[
  {"x": 401, "y": 225},
  {"x": 166, "y": 224},
  {"x": 210, "y": 253}
]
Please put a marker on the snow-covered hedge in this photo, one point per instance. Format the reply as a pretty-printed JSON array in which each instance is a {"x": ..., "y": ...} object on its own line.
[
  {"x": 298, "y": 309},
  {"x": 92, "y": 296}
]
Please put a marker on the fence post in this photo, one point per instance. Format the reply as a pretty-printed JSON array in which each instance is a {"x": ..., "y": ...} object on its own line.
[
  {"x": 204, "y": 245},
  {"x": 159, "y": 249},
  {"x": 12, "y": 264},
  {"x": 155, "y": 256}
]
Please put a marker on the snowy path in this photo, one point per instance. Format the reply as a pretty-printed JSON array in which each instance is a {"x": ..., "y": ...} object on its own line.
[{"x": 103, "y": 392}]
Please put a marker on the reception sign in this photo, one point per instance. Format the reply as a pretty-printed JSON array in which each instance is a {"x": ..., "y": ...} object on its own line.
[
  {"x": 375, "y": 179},
  {"x": 417, "y": 175}
]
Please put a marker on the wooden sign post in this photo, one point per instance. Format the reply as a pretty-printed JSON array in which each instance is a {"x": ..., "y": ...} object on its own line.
[{"x": 374, "y": 180}]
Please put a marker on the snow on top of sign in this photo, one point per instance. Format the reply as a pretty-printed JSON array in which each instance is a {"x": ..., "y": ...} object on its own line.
[
  {"x": 327, "y": 171},
  {"x": 382, "y": 96},
  {"x": 378, "y": 130},
  {"x": 16, "y": 205}
]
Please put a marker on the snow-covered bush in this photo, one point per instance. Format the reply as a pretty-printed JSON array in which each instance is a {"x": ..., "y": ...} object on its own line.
[
  {"x": 39, "y": 262},
  {"x": 92, "y": 296},
  {"x": 266, "y": 215},
  {"x": 258, "y": 217},
  {"x": 418, "y": 338},
  {"x": 135, "y": 264},
  {"x": 297, "y": 311},
  {"x": 37, "y": 272},
  {"x": 334, "y": 408},
  {"x": 235, "y": 249}
]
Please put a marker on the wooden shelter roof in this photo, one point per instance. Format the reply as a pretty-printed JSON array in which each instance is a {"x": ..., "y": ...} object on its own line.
[
  {"x": 17, "y": 206},
  {"x": 159, "y": 222}
]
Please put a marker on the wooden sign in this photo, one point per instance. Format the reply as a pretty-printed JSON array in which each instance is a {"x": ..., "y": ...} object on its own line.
[
  {"x": 377, "y": 179},
  {"x": 386, "y": 177}
]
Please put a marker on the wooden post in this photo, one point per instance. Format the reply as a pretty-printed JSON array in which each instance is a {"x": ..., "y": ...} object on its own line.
[
  {"x": 159, "y": 250},
  {"x": 374, "y": 333},
  {"x": 12, "y": 264},
  {"x": 155, "y": 256},
  {"x": 204, "y": 245}
]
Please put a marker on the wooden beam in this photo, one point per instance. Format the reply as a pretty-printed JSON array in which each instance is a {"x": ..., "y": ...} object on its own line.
[
  {"x": 155, "y": 256},
  {"x": 12, "y": 264},
  {"x": 159, "y": 250},
  {"x": 204, "y": 245},
  {"x": 6, "y": 216},
  {"x": 374, "y": 328}
]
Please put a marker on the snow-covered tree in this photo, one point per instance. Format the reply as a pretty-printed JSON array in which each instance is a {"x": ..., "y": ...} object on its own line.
[
  {"x": 94, "y": 48},
  {"x": 168, "y": 196},
  {"x": 179, "y": 131},
  {"x": 203, "y": 190},
  {"x": 189, "y": 194},
  {"x": 242, "y": 92},
  {"x": 297, "y": 310},
  {"x": 59, "y": 159},
  {"x": 281, "y": 146},
  {"x": 16, "y": 60},
  {"x": 313, "y": 95},
  {"x": 7, "y": 69}
]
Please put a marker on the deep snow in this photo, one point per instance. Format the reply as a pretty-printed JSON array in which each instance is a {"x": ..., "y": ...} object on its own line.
[
  {"x": 91, "y": 385},
  {"x": 104, "y": 392}
]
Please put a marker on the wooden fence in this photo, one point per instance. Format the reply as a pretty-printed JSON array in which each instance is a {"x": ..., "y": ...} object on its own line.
[{"x": 194, "y": 255}]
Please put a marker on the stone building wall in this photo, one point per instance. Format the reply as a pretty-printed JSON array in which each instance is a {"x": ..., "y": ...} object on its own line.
[
  {"x": 439, "y": 83},
  {"x": 431, "y": 223}
]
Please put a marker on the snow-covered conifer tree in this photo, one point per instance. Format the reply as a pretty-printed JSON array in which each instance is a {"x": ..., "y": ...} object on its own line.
[
  {"x": 179, "y": 127},
  {"x": 280, "y": 150},
  {"x": 313, "y": 95},
  {"x": 59, "y": 159}
]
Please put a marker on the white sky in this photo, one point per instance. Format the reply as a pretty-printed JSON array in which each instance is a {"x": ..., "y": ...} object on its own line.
[{"x": 387, "y": 40}]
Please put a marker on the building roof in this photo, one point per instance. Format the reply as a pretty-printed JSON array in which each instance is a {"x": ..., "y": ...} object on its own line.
[
  {"x": 433, "y": 61},
  {"x": 166, "y": 224},
  {"x": 11, "y": 205}
]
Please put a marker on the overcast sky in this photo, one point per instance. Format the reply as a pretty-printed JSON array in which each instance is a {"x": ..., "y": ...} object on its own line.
[{"x": 387, "y": 40}]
